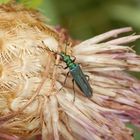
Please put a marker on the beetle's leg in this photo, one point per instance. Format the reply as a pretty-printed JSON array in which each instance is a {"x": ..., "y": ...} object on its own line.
[
  {"x": 59, "y": 66},
  {"x": 66, "y": 67},
  {"x": 87, "y": 77},
  {"x": 74, "y": 59},
  {"x": 73, "y": 90},
  {"x": 65, "y": 80}
]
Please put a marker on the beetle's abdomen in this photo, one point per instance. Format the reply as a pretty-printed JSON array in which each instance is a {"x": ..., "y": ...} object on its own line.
[{"x": 81, "y": 81}]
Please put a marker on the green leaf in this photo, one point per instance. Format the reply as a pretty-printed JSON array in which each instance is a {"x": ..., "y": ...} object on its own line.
[
  {"x": 31, "y": 3},
  {"x": 127, "y": 14},
  {"x": 4, "y": 1}
]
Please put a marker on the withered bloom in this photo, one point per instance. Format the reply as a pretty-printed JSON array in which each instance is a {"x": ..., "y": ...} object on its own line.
[{"x": 31, "y": 102}]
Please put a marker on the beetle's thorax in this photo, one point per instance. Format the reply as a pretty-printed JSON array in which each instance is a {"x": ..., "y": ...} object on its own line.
[{"x": 67, "y": 59}]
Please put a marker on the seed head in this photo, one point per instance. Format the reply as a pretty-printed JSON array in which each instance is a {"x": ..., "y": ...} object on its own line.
[{"x": 31, "y": 102}]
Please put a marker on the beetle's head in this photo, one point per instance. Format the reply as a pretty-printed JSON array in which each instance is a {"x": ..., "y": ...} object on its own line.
[{"x": 64, "y": 57}]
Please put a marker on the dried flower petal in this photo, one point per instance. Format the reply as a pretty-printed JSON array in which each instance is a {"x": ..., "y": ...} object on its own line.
[{"x": 31, "y": 102}]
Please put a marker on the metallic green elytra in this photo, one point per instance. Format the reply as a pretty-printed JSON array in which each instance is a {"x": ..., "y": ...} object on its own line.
[{"x": 77, "y": 74}]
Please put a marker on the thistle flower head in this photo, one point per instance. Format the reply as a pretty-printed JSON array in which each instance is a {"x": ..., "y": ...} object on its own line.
[{"x": 34, "y": 99}]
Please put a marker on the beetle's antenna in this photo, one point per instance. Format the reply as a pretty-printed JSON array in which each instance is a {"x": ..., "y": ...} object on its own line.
[
  {"x": 67, "y": 43},
  {"x": 49, "y": 48},
  {"x": 65, "y": 47}
]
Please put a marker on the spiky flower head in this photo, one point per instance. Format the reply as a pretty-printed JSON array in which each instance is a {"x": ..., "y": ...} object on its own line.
[{"x": 31, "y": 102}]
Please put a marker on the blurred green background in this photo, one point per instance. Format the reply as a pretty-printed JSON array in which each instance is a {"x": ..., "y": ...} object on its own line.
[{"x": 86, "y": 18}]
